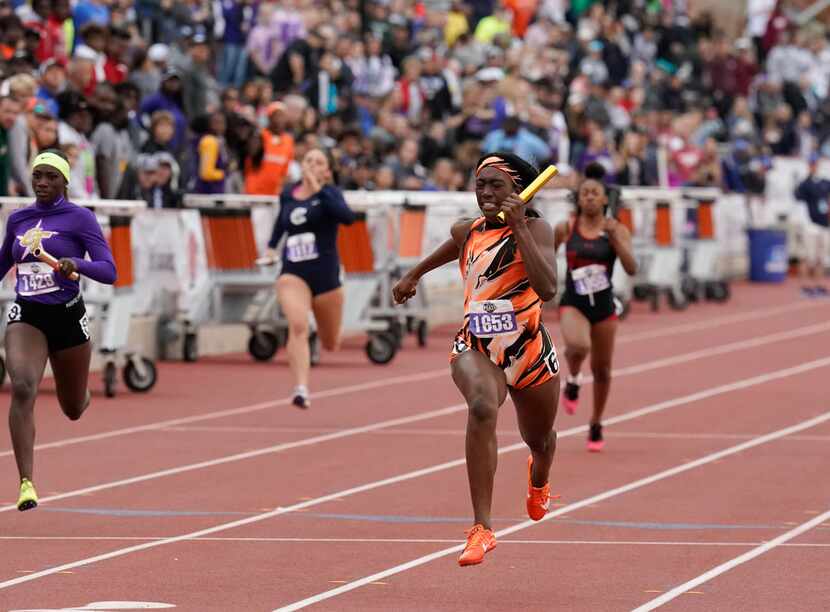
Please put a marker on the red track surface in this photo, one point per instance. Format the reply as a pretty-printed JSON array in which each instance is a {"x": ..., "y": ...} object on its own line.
[{"x": 215, "y": 444}]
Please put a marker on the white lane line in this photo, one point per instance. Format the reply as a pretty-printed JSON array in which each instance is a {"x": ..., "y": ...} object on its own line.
[
  {"x": 798, "y": 332},
  {"x": 409, "y": 541},
  {"x": 741, "y": 384},
  {"x": 631, "y": 486},
  {"x": 733, "y": 563},
  {"x": 724, "y": 349},
  {"x": 380, "y": 383},
  {"x": 277, "y": 448},
  {"x": 501, "y": 433},
  {"x": 704, "y": 436},
  {"x": 219, "y": 414},
  {"x": 715, "y": 322},
  {"x": 377, "y": 484}
]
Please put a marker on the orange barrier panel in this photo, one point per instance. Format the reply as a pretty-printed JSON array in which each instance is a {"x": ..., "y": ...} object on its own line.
[
  {"x": 626, "y": 217},
  {"x": 705, "y": 220},
  {"x": 229, "y": 239},
  {"x": 121, "y": 245},
  {"x": 413, "y": 222},
  {"x": 662, "y": 225},
  {"x": 355, "y": 246},
  {"x": 210, "y": 250}
]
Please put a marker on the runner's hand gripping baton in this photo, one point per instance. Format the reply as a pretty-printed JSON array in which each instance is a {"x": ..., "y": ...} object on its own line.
[
  {"x": 51, "y": 261},
  {"x": 530, "y": 191},
  {"x": 267, "y": 261}
]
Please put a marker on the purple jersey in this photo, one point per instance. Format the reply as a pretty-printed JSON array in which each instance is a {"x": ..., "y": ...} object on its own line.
[{"x": 61, "y": 229}]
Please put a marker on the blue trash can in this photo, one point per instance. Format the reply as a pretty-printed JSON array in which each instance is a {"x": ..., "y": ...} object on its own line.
[{"x": 768, "y": 260}]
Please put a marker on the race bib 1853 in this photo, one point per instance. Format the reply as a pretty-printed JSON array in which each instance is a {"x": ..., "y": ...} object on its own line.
[
  {"x": 35, "y": 278},
  {"x": 301, "y": 247},
  {"x": 590, "y": 279},
  {"x": 492, "y": 318}
]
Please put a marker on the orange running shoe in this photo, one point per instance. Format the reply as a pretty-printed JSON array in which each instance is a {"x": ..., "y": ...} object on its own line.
[
  {"x": 479, "y": 542},
  {"x": 538, "y": 499}
]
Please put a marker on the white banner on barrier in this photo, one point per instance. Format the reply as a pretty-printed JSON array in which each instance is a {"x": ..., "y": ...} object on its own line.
[
  {"x": 262, "y": 220},
  {"x": 168, "y": 256},
  {"x": 191, "y": 267}
]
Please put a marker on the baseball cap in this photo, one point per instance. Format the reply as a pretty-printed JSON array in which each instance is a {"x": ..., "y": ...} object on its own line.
[
  {"x": 490, "y": 74},
  {"x": 48, "y": 64},
  {"x": 147, "y": 163},
  {"x": 164, "y": 158},
  {"x": 198, "y": 38},
  {"x": 158, "y": 53},
  {"x": 86, "y": 53},
  {"x": 42, "y": 110}
]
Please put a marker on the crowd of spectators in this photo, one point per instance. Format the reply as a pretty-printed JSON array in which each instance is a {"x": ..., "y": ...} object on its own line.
[{"x": 152, "y": 98}]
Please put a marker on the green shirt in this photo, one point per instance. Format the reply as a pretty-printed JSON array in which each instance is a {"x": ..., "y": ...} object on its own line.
[
  {"x": 580, "y": 6},
  {"x": 5, "y": 162}
]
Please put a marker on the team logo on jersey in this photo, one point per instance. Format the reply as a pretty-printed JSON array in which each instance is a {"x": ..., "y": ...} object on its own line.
[
  {"x": 33, "y": 238},
  {"x": 298, "y": 216},
  {"x": 459, "y": 346}
]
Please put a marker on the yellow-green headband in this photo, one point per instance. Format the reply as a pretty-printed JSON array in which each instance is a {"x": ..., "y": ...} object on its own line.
[{"x": 56, "y": 161}]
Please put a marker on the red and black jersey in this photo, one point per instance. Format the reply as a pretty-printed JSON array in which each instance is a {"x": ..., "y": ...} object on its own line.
[{"x": 581, "y": 252}]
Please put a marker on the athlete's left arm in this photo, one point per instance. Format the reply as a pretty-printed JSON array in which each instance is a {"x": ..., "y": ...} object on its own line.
[
  {"x": 537, "y": 244},
  {"x": 336, "y": 205},
  {"x": 620, "y": 239},
  {"x": 101, "y": 268}
]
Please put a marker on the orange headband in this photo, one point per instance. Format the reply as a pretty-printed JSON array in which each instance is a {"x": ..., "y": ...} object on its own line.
[{"x": 500, "y": 164}]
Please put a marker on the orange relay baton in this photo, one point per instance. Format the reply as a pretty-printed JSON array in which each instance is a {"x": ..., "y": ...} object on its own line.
[
  {"x": 51, "y": 261},
  {"x": 530, "y": 191}
]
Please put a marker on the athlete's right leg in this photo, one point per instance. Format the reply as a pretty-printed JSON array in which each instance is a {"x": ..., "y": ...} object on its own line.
[
  {"x": 295, "y": 302},
  {"x": 576, "y": 331},
  {"x": 484, "y": 389},
  {"x": 26, "y": 354}
]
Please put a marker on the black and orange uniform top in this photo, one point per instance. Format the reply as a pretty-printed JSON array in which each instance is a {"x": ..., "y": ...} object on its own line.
[
  {"x": 588, "y": 285},
  {"x": 502, "y": 312}
]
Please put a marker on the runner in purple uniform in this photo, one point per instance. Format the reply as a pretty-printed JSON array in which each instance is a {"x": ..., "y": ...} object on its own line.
[{"x": 48, "y": 319}]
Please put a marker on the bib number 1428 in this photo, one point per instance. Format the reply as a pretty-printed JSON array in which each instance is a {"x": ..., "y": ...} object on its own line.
[{"x": 35, "y": 279}]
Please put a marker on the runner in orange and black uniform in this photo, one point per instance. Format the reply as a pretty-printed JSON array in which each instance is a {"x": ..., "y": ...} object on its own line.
[
  {"x": 508, "y": 269},
  {"x": 503, "y": 314},
  {"x": 587, "y": 312}
]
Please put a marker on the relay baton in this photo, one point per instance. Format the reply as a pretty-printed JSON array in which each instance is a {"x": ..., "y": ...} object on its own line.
[
  {"x": 51, "y": 261},
  {"x": 267, "y": 261},
  {"x": 530, "y": 191}
]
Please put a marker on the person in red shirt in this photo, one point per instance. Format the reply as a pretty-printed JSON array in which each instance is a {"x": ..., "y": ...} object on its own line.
[
  {"x": 114, "y": 68},
  {"x": 523, "y": 12},
  {"x": 11, "y": 36},
  {"x": 36, "y": 19}
]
